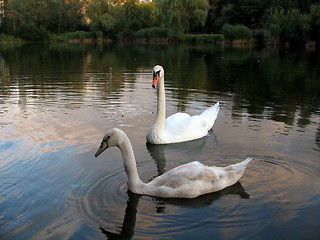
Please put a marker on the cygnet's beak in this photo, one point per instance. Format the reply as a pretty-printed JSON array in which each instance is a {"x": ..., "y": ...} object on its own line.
[
  {"x": 102, "y": 147},
  {"x": 155, "y": 80}
]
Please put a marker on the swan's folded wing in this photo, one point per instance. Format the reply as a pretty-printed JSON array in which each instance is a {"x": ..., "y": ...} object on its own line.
[
  {"x": 193, "y": 171},
  {"x": 176, "y": 118},
  {"x": 182, "y": 127}
]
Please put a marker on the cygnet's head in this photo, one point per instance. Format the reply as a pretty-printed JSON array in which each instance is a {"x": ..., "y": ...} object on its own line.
[
  {"x": 113, "y": 138},
  {"x": 157, "y": 73}
]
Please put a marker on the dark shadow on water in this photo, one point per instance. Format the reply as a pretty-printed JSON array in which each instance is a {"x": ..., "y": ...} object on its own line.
[
  {"x": 129, "y": 221},
  {"x": 203, "y": 200}
]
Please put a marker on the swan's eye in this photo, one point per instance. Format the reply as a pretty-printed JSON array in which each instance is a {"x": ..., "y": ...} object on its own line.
[{"x": 105, "y": 140}]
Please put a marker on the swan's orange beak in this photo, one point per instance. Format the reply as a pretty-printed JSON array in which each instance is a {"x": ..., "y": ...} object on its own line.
[
  {"x": 155, "y": 80},
  {"x": 102, "y": 147}
]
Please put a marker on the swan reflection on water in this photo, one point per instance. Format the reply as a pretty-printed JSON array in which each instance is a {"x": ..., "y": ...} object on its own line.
[
  {"x": 157, "y": 151},
  {"x": 129, "y": 221}
]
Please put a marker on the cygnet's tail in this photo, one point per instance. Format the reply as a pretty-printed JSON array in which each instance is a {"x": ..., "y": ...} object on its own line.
[
  {"x": 244, "y": 163},
  {"x": 210, "y": 115}
]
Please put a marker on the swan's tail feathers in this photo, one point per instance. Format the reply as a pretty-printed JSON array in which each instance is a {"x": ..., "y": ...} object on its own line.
[
  {"x": 210, "y": 115},
  {"x": 244, "y": 163}
]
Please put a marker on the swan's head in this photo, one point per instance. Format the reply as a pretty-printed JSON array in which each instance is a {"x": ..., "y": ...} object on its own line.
[
  {"x": 113, "y": 138},
  {"x": 157, "y": 73}
]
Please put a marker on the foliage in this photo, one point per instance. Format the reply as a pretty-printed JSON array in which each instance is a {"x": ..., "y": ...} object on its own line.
[
  {"x": 288, "y": 25},
  {"x": 235, "y": 12},
  {"x": 79, "y": 35},
  {"x": 100, "y": 14},
  {"x": 5, "y": 38},
  {"x": 283, "y": 20},
  {"x": 184, "y": 15},
  {"x": 151, "y": 33},
  {"x": 314, "y": 22},
  {"x": 204, "y": 38},
  {"x": 233, "y": 32},
  {"x": 53, "y": 15},
  {"x": 120, "y": 20},
  {"x": 98, "y": 35},
  {"x": 31, "y": 32},
  {"x": 159, "y": 34}
]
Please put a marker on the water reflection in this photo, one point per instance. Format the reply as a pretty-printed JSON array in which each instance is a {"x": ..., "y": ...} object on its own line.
[
  {"x": 129, "y": 221},
  {"x": 57, "y": 100},
  {"x": 157, "y": 151},
  {"x": 318, "y": 136},
  {"x": 126, "y": 231},
  {"x": 203, "y": 200},
  {"x": 270, "y": 84},
  {"x": 282, "y": 84}
]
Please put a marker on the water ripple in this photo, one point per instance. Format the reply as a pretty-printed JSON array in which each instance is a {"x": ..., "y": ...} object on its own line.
[{"x": 14, "y": 215}]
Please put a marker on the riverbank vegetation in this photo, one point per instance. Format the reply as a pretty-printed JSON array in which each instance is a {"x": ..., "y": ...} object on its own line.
[{"x": 274, "y": 22}]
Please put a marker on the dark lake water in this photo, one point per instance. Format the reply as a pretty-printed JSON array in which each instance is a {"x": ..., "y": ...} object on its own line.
[{"x": 57, "y": 102}]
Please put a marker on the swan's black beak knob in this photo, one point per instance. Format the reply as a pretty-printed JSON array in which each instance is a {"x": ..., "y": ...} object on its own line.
[{"x": 155, "y": 80}]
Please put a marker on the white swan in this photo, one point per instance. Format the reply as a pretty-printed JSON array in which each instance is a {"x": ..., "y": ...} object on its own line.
[
  {"x": 186, "y": 181},
  {"x": 179, "y": 127}
]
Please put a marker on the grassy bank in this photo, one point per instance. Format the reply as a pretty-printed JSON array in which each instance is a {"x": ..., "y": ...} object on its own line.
[
  {"x": 204, "y": 38},
  {"x": 10, "y": 39}
]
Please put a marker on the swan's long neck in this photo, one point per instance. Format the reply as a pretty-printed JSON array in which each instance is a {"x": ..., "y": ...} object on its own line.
[
  {"x": 161, "y": 107},
  {"x": 134, "y": 182}
]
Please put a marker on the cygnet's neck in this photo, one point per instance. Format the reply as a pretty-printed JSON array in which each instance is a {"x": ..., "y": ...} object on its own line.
[{"x": 134, "y": 182}]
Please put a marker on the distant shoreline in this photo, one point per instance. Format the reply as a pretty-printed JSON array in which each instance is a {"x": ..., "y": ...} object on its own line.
[{"x": 197, "y": 39}]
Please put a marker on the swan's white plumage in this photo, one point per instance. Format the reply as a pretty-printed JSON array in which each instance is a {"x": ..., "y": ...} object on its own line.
[
  {"x": 186, "y": 181},
  {"x": 179, "y": 127}
]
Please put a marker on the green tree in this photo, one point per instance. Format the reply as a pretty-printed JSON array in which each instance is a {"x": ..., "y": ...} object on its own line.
[
  {"x": 182, "y": 14},
  {"x": 250, "y": 12},
  {"x": 13, "y": 14},
  {"x": 54, "y": 15},
  {"x": 235, "y": 32},
  {"x": 147, "y": 15},
  {"x": 137, "y": 16},
  {"x": 101, "y": 15},
  {"x": 290, "y": 25},
  {"x": 302, "y": 5},
  {"x": 220, "y": 12},
  {"x": 314, "y": 22},
  {"x": 1, "y": 12},
  {"x": 67, "y": 15},
  {"x": 235, "y": 12},
  {"x": 131, "y": 12}
]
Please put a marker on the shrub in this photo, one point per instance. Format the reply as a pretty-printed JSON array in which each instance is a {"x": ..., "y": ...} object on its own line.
[
  {"x": 314, "y": 22},
  {"x": 236, "y": 32},
  {"x": 289, "y": 25},
  {"x": 31, "y": 32},
  {"x": 152, "y": 33},
  {"x": 294, "y": 28},
  {"x": 6, "y": 38},
  {"x": 78, "y": 35},
  {"x": 81, "y": 35},
  {"x": 99, "y": 35},
  {"x": 204, "y": 38}
]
